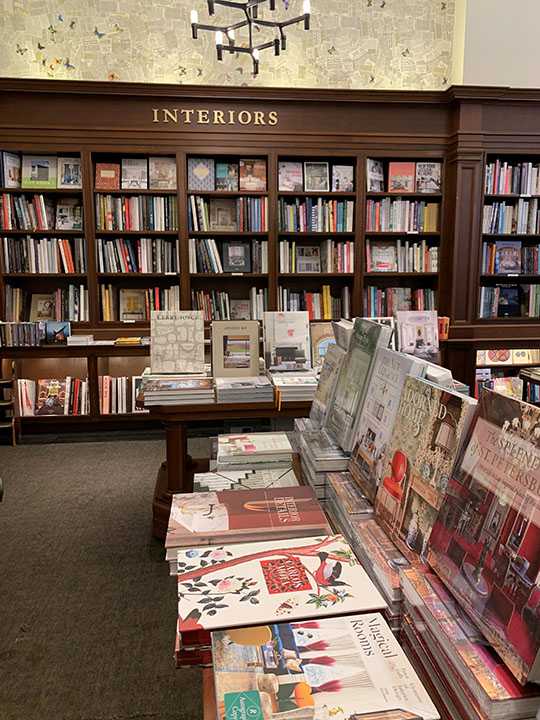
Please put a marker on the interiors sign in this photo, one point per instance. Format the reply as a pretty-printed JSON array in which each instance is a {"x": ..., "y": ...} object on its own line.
[{"x": 204, "y": 116}]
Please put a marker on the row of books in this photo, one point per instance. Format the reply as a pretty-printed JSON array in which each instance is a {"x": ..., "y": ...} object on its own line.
[
  {"x": 502, "y": 301},
  {"x": 18, "y": 212},
  {"x": 329, "y": 256},
  {"x": 507, "y": 178},
  {"x": 45, "y": 397},
  {"x": 136, "y": 212},
  {"x": 117, "y": 395},
  {"x": 386, "y": 301},
  {"x": 67, "y": 303},
  {"x": 40, "y": 171},
  {"x": 154, "y": 173},
  {"x": 404, "y": 176},
  {"x": 137, "y": 255},
  {"x": 508, "y": 219},
  {"x": 245, "y": 214},
  {"x": 136, "y": 304},
  {"x": 316, "y": 215},
  {"x": 506, "y": 356},
  {"x": 209, "y": 175},
  {"x": 315, "y": 176},
  {"x": 218, "y": 305},
  {"x": 509, "y": 257},
  {"x": 401, "y": 256},
  {"x": 44, "y": 255},
  {"x": 398, "y": 215},
  {"x": 319, "y": 305},
  {"x": 234, "y": 256}
]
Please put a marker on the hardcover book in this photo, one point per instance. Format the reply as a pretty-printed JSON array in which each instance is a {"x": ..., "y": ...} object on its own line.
[
  {"x": 378, "y": 415},
  {"x": 343, "y": 668},
  {"x": 253, "y": 448},
  {"x": 50, "y": 397},
  {"x": 11, "y": 169},
  {"x": 401, "y": 177},
  {"x": 240, "y": 309},
  {"x": 249, "y": 583},
  {"x": 327, "y": 385},
  {"x": 235, "y": 348},
  {"x": 252, "y": 175},
  {"x": 39, "y": 171},
  {"x": 418, "y": 333},
  {"x": 132, "y": 304},
  {"x": 201, "y": 174},
  {"x": 507, "y": 257},
  {"x": 57, "y": 333},
  {"x": 308, "y": 258},
  {"x": 177, "y": 341},
  {"x": 69, "y": 172},
  {"x": 375, "y": 175},
  {"x": 208, "y": 518},
  {"x": 42, "y": 307},
  {"x": 291, "y": 177},
  {"x": 428, "y": 177},
  {"x": 382, "y": 256},
  {"x": 249, "y": 479},
  {"x": 428, "y": 432},
  {"x": 322, "y": 338},
  {"x": 69, "y": 214},
  {"x": 134, "y": 173},
  {"x": 286, "y": 341},
  {"x": 342, "y": 178},
  {"x": 509, "y": 301},
  {"x": 354, "y": 378},
  {"x": 316, "y": 177},
  {"x": 162, "y": 173},
  {"x": 227, "y": 176},
  {"x": 237, "y": 256},
  {"x": 107, "y": 176},
  {"x": 223, "y": 214},
  {"x": 485, "y": 544}
]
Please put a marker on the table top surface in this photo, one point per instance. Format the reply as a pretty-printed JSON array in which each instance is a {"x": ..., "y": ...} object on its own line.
[{"x": 216, "y": 411}]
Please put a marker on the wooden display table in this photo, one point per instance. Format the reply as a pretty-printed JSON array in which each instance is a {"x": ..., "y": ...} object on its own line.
[
  {"x": 209, "y": 695},
  {"x": 176, "y": 474}
]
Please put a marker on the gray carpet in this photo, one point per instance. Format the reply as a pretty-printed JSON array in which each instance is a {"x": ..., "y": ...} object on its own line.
[{"x": 87, "y": 609}]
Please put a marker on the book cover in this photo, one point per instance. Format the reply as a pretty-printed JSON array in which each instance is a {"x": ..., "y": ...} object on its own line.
[
  {"x": 237, "y": 256},
  {"x": 137, "y": 399},
  {"x": 507, "y": 257},
  {"x": 375, "y": 175},
  {"x": 50, "y": 397},
  {"x": 327, "y": 384},
  {"x": 252, "y": 175},
  {"x": 177, "y": 341},
  {"x": 316, "y": 177},
  {"x": 42, "y": 307},
  {"x": 509, "y": 302},
  {"x": 251, "y": 445},
  {"x": 235, "y": 348},
  {"x": 287, "y": 341},
  {"x": 379, "y": 556},
  {"x": 428, "y": 432},
  {"x": 418, "y": 333},
  {"x": 249, "y": 479},
  {"x": 134, "y": 173},
  {"x": 308, "y": 258},
  {"x": 69, "y": 214},
  {"x": 383, "y": 257},
  {"x": 322, "y": 338},
  {"x": 201, "y": 174},
  {"x": 291, "y": 177},
  {"x": 342, "y": 178},
  {"x": 485, "y": 544},
  {"x": 57, "y": 333},
  {"x": 227, "y": 176},
  {"x": 69, "y": 173},
  {"x": 11, "y": 168},
  {"x": 240, "y": 309},
  {"x": 132, "y": 304},
  {"x": 39, "y": 171},
  {"x": 342, "y": 668},
  {"x": 249, "y": 583},
  {"x": 428, "y": 177},
  {"x": 162, "y": 173},
  {"x": 378, "y": 415},
  {"x": 401, "y": 177},
  {"x": 170, "y": 384},
  {"x": 230, "y": 516},
  {"x": 223, "y": 214},
  {"x": 107, "y": 176},
  {"x": 353, "y": 379}
]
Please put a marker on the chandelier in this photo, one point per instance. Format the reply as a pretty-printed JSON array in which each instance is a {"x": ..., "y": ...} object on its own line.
[{"x": 225, "y": 35}]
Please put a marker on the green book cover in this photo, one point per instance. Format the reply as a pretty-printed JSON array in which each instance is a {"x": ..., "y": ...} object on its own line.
[
  {"x": 39, "y": 171},
  {"x": 243, "y": 705}
]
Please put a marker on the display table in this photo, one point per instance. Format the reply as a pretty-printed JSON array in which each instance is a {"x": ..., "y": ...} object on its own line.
[
  {"x": 176, "y": 474},
  {"x": 209, "y": 696}
]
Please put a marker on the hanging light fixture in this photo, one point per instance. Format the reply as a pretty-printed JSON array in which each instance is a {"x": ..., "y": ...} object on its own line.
[{"x": 225, "y": 35}]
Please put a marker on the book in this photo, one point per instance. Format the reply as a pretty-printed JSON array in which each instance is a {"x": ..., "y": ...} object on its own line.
[
  {"x": 430, "y": 427},
  {"x": 223, "y": 214},
  {"x": 39, "y": 171},
  {"x": 252, "y": 175},
  {"x": 235, "y": 348},
  {"x": 308, "y": 258},
  {"x": 69, "y": 214},
  {"x": 485, "y": 542},
  {"x": 349, "y": 667},
  {"x": 240, "y": 309},
  {"x": 375, "y": 175},
  {"x": 107, "y": 176},
  {"x": 353, "y": 379},
  {"x": 509, "y": 301},
  {"x": 250, "y": 583},
  {"x": 418, "y": 333},
  {"x": 378, "y": 415},
  {"x": 507, "y": 257},
  {"x": 69, "y": 173},
  {"x": 57, "y": 333},
  {"x": 42, "y": 307},
  {"x": 227, "y": 176},
  {"x": 291, "y": 177},
  {"x": 11, "y": 169},
  {"x": 132, "y": 304},
  {"x": 327, "y": 384},
  {"x": 201, "y": 174},
  {"x": 50, "y": 397},
  {"x": 382, "y": 256},
  {"x": 286, "y": 341},
  {"x": 210, "y": 518},
  {"x": 343, "y": 330},
  {"x": 342, "y": 178},
  {"x": 177, "y": 344},
  {"x": 134, "y": 173},
  {"x": 136, "y": 382},
  {"x": 162, "y": 173},
  {"x": 322, "y": 338},
  {"x": 428, "y": 177},
  {"x": 237, "y": 256},
  {"x": 316, "y": 177},
  {"x": 401, "y": 177},
  {"x": 253, "y": 449},
  {"x": 249, "y": 479}
]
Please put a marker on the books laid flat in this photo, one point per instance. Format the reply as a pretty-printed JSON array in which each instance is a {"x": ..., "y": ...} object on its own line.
[
  {"x": 327, "y": 384},
  {"x": 349, "y": 667},
  {"x": 260, "y": 479},
  {"x": 250, "y": 583},
  {"x": 253, "y": 449},
  {"x": 257, "y": 389},
  {"x": 177, "y": 341},
  {"x": 430, "y": 427},
  {"x": 323, "y": 451},
  {"x": 176, "y": 390},
  {"x": 345, "y": 502},
  {"x": 287, "y": 341},
  {"x": 235, "y": 348},
  {"x": 294, "y": 387},
  {"x": 418, "y": 333},
  {"x": 485, "y": 544}
]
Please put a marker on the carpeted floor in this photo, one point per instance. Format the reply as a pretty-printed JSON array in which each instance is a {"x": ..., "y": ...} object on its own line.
[{"x": 87, "y": 609}]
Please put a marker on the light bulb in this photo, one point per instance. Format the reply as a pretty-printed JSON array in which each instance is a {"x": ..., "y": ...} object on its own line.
[
  {"x": 194, "y": 17},
  {"x": 255, "y": 55},
  {"x": 307, "y": 7},
  {"x": 219, "y": 38}
]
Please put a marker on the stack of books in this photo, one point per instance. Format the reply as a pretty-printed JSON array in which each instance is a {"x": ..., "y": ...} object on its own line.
[
  {"x": 295, "y": 387},
  {"x": 176, "y": 390},
  {"x": 257, "y": 389},
  {"x": 320, "y": 454},
  {"x": 262, "y": 479},
  {"x": 345, "y": 503},
  {"x": 257, "y": 450}
]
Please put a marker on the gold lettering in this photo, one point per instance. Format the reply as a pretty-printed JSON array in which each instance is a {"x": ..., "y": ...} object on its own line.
[
  {"x": 203, "y": 117},
  {"x": 259, "y": 118},
  {"x": 244, "y": 117},
  {"x": 155, "y": 115},
  {"x": 187, "y": 115},
  {"x": 272, "y": 117},
  {"x": 172, "y": 115},
  {"x": 231, "y": 117},
  {"x": 218, "y": 117}
]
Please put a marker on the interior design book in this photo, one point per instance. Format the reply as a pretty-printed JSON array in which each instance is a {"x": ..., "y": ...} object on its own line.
[
  {"x": 250, "y": 583},
  {"x": 291, "y": 177},
  {"x": 375, "y": 175},
  {"x": 429, "y": 430},
  {"x": 327, "y": 384},
  {"x": 134, "y": 173},
  {"x": 11, "y": 170},
  {"x": 248, "y": 479},
  {"x": 322, "y": 338},
  {"x": 235, "y": 348},
  {"x": 378, "y": 415},
  {"x": 227, "y": 176},
  {"x": 418, "y": 333},
  {"x": 343, "y": 178},
  {"x": 39, "y": 171},
  {"x": 69, "y": 173},
  {"x": 485, "y": 544},
  {"x": 428, "y": 177},
  {"x": 287, "y": 341},
  {"x": 107, "y": 176},
  {"x": 177, "y": 343},
  {"x": 252, "y": 175},
  {"x": 253, "y": 448},
  {"x": 201, "y": 174},
  {"x": 162, "y": 173},
  {"x": 353, "y": 379},
  {"x": 342, "y": 668},
  {"x": 401, "y": 177}
]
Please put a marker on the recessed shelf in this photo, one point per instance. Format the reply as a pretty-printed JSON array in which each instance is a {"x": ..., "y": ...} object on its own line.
[
  {"x": 137, "y": 233},
  {"x": 56, "y": 276},
  {"x": 511, "y": 235},
  {"x": 50, "y": 233},
  {"x": 509, "y": 196},
  {"x": 384, "y": 194},
  {"x": 228, "y": 275},
  {"x": 402, "y": 233},
  {"x": 511, "y": 276},
  {"x": 225, "y": 233},
  {"x": 401, "y": 274},
  {"x": 329, "y": 194},
  {"x": 228, "y": 193},
  {"x": 297, "y": 275},
  {"x": 134, "y": 191},
  {"x": 134, "y": 275},
  {"x": 42, "y": 191},
  {"x": 314, "y": 233}
]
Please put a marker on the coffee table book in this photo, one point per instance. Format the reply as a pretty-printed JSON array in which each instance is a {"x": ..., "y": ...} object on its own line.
[
  {"x": 348, "y": 667},
  {"x": 244, "y": 480},
  {"x": 252, "y": 449},
  {"x": 287, "y": 341},
  {"x": 260, "y": 582},
  {"x": 328, "y": 378},
  {"x": 235, "y": 348},
  {"x": 177, "y": 341}
]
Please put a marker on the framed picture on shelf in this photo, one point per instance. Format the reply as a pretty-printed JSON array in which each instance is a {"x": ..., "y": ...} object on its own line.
[
  {"x": 69, "y": 172},
  {"x": 237, "y": 257},
  {"x": 343, "y": 178},
  {"x": 39, "y": 171},
  {"x": 316, "y": 177}
]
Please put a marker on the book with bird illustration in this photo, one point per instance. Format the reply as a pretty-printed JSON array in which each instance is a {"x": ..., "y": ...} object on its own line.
[{"x": 252, "y": 583}]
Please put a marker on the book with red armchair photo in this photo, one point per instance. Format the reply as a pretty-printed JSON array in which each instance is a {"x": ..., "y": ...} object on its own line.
[
  {"x": 429, "y": 430},
  {"x": 485, "y": 544}
]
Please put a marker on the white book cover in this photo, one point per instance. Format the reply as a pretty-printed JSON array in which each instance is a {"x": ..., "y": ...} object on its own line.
[
  {"x": 287, "y": 340},
  {"x": 262, "y": 479},
  {"x": 375, "y": 175},
  {"x": 177, "y": 341},
  {"x": 249, "y": 583},
  {"x": 327, "y": 384},
  {"x": 235, "y": 348},
  {"x": 418, "y": 333},
  {"x": 348, "y": 668},
  {"x": 11, "y": 163},
  {"x": 250, "y": 445},
  {"x": 134, "y": 173}
]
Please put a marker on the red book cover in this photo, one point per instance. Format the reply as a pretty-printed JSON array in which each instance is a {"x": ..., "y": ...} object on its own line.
[
  {"x": 401, "y": 177},
  {"x": 107, "y": 176}
]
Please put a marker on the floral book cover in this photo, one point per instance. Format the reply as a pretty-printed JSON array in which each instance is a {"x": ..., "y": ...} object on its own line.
[
  {"x": 338, "y": 668},
  {"x": 226, "y": 515},
  {"x": 249, "y": 583},
  {"x": 429, "y": 431},
  {"x": 485, "y": 544}
]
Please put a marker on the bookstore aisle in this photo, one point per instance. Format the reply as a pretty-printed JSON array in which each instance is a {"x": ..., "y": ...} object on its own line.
[{"x": 88, "y": 611}]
